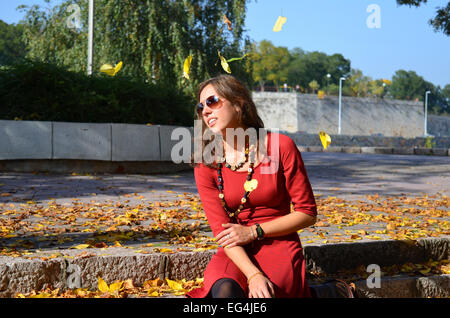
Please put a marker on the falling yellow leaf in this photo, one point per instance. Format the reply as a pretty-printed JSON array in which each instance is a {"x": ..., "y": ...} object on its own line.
[
  {"x": 186, "y": 67},
  {"x": 227, "y": 21},
  {"x": 224, "y": 63},
  {"x": 279, "y": 24},
  {"x": 325, "y": 139},
  {"x": 102, "y": 285},
  {"x": 111, "y": 70}
]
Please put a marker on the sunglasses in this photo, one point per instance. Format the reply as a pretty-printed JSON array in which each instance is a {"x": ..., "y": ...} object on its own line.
[{"x": 212, "y": 102}]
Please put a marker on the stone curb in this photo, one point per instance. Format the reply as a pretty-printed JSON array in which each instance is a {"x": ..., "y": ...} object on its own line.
[
  {"x": 24, "y": 275},
  {"x": 406, "y": 287},
  {"x": 379, "y": 150}
]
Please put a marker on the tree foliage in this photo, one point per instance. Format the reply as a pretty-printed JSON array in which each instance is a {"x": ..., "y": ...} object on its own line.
[
  {"x": 42, "y": 91},
  {"x": 152, "y": 38},
  {"x": 12, "y": 48},
  {"x": 269, "y": 63},
  {"x": 441, "y": 22}
]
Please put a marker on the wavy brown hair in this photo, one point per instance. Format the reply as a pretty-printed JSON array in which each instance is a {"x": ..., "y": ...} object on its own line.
[{"x": 237, "y": 94}]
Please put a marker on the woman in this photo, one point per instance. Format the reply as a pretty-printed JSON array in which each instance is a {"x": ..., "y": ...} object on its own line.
[{"x": 260, "y": 254}]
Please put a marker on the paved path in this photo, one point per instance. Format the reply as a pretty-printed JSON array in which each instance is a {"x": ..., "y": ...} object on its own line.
[{"x": 329, "y": 173}]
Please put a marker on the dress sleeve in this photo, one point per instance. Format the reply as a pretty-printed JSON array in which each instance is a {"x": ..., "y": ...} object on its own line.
[
  {"x": 297, "y": 182},
  {"x": 209, "y": 195}
]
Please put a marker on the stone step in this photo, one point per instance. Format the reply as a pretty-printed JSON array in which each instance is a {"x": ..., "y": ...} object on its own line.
[{"x": 24, "y": 275}]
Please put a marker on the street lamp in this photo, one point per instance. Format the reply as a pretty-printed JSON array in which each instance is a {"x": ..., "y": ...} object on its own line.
[
  {"x": 328, "y": 80},
  {"x": 90, "y": 38},
  {"x": 340, "y": 103},
  {"x": 426, "y": 111}
]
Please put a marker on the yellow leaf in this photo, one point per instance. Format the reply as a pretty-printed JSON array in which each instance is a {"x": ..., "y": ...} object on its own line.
[
  {"x": 325, "y": 139},
  {"x": 102, "y": 285},
  {"x": 128, "y": 284},
  {"x": 187, "y": 65},
  {"x": 115, "y": 286},
  {"x": 174, "y": 285},
  {"x": 165, "y": 250},
  {"x": 107, "y": 69},
  {"x": 425, "y": 271},
  {"x": 118, "y": 67},
  {"x": 227, "y": 21},
  {"x": 81, "y": 246},
  {"x": 279, "y": 24},
  {"x": 111, "y": 70},
  {"x": 153, "y": 294},
  {"x": 224, "y": 63}
]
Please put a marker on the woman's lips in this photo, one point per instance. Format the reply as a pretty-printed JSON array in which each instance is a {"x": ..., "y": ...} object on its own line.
[{"x": 213, "y": 122}]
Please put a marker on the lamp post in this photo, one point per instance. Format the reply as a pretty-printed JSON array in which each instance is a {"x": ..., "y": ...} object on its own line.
[
  {"x": 426, "y": 111},
  {"x": 328, "y": 80},
  {"x": 340, "y": 103},
  {"x": 90, "y": 38}
]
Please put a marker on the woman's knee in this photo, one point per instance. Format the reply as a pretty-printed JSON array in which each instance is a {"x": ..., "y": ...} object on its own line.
[{"x": 226, "y": 288}]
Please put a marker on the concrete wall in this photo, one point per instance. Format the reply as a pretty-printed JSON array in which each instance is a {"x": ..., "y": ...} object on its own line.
[
  {"x": 87, "y": 141},
  {"x": 120, "y": 143},
  {"x": 438, "y": 126},
  {"x": 360, "y": 116}
]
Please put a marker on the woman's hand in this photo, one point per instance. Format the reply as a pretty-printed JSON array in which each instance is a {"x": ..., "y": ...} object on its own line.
[
  {"x": 260, "y": 287},
  {"x": 234, "y": 234}
]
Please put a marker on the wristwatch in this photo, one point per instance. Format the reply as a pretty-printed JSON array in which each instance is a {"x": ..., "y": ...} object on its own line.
[{"x": 259, "y": 232}]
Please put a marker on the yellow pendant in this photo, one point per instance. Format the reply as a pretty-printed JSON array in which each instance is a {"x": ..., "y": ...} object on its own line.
[{"x": 251, "y": 185}]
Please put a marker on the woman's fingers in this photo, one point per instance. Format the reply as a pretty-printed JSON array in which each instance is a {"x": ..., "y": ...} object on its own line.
[
  {"x": 222, "y": 238},
  {"x": 272, "y": 290},
  {"x": 266, "y": 293}
]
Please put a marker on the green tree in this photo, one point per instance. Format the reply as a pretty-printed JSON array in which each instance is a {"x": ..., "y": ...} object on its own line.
[
  {"x": 409, "y": 86},
  {"x": 376, "y": 88},
  {"x": 358, "y": 83},
  {"x": 314, "y": 86},
  {"x": 441, "y": 22},
  {"x": 11, "y": 47},
  {"x": 308, "y": 66},
  {"x": 152, "y": 38},
  {"x": 270, "y": 63}
]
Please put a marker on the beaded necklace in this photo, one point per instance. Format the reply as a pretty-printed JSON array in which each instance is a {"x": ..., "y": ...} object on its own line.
[{"x": 249, "y": 184}]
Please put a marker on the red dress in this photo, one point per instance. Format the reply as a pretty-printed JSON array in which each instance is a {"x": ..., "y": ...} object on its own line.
[{"x": 279, "y": 258}]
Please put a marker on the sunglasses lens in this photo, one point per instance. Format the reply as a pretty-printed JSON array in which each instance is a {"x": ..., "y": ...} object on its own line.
[
  {"x": 200, "y": 109},
  {"x": 212, "y": 101}
]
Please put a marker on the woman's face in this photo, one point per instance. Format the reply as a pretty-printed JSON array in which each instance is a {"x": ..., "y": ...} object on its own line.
[{"x": 226, "y": 115}]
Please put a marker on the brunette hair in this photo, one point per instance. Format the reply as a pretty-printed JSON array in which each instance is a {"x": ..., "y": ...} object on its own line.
[{"x": 237, "y": 94}]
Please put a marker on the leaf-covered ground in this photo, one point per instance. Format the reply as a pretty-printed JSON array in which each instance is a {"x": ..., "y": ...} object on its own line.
[
  {"x": 180, "y": 224},
  {"x": 37, "y": 223}
]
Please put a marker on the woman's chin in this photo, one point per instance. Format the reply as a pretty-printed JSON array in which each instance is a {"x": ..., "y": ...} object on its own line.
[{"x": 215, "y": 129}]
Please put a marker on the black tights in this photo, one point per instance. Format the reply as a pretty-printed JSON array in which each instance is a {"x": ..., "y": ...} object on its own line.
[{"x": 226, "y": 288}]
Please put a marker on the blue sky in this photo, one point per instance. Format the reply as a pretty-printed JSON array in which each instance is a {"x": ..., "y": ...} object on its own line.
[{"x": 404, "y": 40}]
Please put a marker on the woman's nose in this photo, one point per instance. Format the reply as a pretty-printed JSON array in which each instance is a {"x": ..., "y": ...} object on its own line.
[{"x": 206, "y": 110}]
